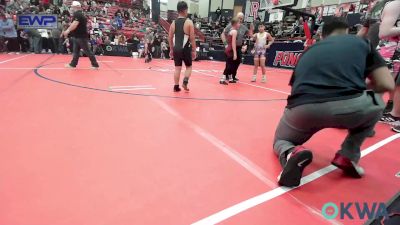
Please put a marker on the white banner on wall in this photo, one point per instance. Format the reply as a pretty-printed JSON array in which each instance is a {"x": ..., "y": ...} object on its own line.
[{"x": 252, "y": 11}]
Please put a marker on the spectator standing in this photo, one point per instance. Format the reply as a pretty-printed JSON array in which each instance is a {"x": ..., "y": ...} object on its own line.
[
  {"x": 218, "y": 13},
  {"x": 23, "y": 41},
  {"x": 45, "y": 39},
  {"x": 118, "y": 21},
  {"x": 7, "y": 30},
  {"x": 164, "y": 49},
  {"x": 157, "y": 46},
  {"x": 35, "y": 40},
  {"x": 122, "y": 39},
  {"x": 78, "y": 29},
  {"x": 56, "y": 39},
  {"x": 107, "y": 40},
  {"x": 141, "y": 48},
  {"x": 34, "y": 2}
]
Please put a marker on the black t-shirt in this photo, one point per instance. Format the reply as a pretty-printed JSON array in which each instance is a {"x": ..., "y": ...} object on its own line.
[
  {"x": 81, "y": 30},
  {"x": 157, "y": 42},
  {"x": 333, "y": 69},
  {"x": 34, "y": 2}
]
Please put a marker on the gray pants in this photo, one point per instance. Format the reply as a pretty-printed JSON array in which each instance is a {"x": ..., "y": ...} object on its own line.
[
  {"x": 78, "y": 44},
  {"x": 35, "y": 44},
  {"x": 358, "y": 115}
]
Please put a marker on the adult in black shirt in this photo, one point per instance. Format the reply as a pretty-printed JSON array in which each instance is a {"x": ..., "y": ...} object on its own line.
[
  {"x": 34, "y": 2},
  {"x": 329, "y": 90},
  {"x": 218, "y": 13},
  {"x": 78, "y": 30}
]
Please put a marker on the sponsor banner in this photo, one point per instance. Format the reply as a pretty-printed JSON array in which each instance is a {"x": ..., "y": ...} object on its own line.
[
  {"x": 117, "y": 50},
  {"x": 284, "y": 55},
  {"x": 35, "y": 21},
  {"x": 286, "y": 59}
]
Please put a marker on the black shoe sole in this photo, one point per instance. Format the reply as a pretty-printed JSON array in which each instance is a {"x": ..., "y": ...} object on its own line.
[
  {"x": 223, "y": 82},
  {"x": 292, "y": 172}
]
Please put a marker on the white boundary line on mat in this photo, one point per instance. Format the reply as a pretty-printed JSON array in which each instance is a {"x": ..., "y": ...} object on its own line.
[
  {"x": 269, "y": 195},
  {"x": 252, "y": 85},
  {"x": 64, "y": 68},
  {"x": 247, "y": 164},
  {"x": 132, "y": 89},
  {"x": 8, "y": 60}
]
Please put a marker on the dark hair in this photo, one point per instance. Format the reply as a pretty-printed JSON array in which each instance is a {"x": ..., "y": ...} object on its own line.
[
  {"x": 182, "y": 6},
  {"x": 261, "y": 24},
  {"x": 334, "y": 24},
  {"x": 234, "y": 21}
]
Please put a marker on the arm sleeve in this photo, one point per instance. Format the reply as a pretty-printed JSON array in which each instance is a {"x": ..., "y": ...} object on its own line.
[{"x": 374, "y": 61}]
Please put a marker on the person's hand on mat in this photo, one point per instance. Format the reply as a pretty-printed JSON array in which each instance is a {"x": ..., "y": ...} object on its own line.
[{"x": 194, "y": 55}]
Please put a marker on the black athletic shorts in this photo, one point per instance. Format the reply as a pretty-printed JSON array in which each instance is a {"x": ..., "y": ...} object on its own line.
[{"x": 184, "y": 55}]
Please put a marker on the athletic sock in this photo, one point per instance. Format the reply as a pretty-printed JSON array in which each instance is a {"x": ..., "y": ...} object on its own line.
[{"x": 185, "y": 81}]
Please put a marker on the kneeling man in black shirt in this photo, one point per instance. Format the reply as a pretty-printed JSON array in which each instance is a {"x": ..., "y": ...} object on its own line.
[
  {"x": 78, "y": 30},
  {"x": 329, "y": 90}
]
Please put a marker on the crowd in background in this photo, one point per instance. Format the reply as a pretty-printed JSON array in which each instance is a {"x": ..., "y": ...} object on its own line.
[{"x": 107, "y": 24}]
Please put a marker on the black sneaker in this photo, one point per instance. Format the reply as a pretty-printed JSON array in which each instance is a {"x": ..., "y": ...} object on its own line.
[
  {"x": 69, "y": 66},
  {"x": 389, "y": 118},
  {"x": 177, "y": 88},
  {"x": 292, "y": 172},
  {"x": 232, "y": 81},
  {"x": 223, "y": 82},
  {"x": 235, "y": 79},
  {"x": 389, "y": 107}
]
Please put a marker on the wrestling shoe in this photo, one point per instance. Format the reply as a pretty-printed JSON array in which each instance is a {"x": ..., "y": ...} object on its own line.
[
  {"x": 185, "y": 85},
  {"x": 264, "y": 79},
  {"x": 254, "y": 78},
  {"x": 389, "y": 118},
  {"x": 231, "y": 80},
  {"x": 69, "y": 66},
  {"x": 349, "y": 167},
  {"x": 223, "y": 81},
  {"x": 177, "y": 88},
  {"x": 296, "y": 162},
  {"x": 396, "y": 127}
]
